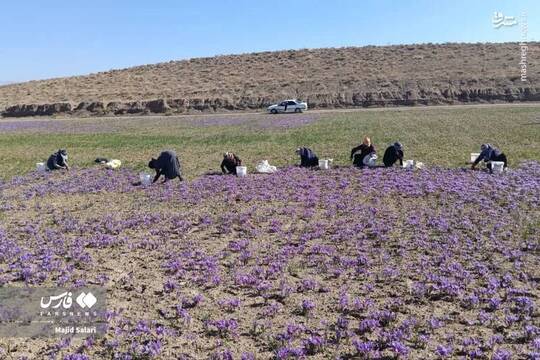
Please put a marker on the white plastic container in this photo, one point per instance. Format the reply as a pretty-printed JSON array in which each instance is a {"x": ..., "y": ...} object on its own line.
[
  {"x": 241, "y": 171},
  {"x": 497, "y": 167},
  {"x": 146, "y": 179},
  {"x": 41, "y": 167},
  {"x": 474, "y": 156},
  {"x": 408, "y": 164},
  {"x": 324, "y": 164}
]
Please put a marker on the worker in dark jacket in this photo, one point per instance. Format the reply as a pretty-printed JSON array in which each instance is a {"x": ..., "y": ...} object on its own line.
[
  {"x": 167, "y": 164},
  {"x": 58, "y": 160},
  {"x": 359, "y": 153},
  {"x": 230, "y": 162},
  {"x": 307, "y": 157},
  {"x": 490, "y": 153},
  {"x": 392, "y": 154}
]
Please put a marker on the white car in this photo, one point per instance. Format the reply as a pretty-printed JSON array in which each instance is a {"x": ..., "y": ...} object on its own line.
[{"x": 288, "y": 106}]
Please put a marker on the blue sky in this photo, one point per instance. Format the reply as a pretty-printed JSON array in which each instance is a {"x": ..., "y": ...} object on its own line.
[{"x": 44, "y": 39}]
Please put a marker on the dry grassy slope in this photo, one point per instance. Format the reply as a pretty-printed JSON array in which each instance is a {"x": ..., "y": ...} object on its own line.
[{"x": 353, "y": 76}]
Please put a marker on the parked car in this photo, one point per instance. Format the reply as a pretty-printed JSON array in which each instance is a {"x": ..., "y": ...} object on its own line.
[{"x": 288, "y": 106}]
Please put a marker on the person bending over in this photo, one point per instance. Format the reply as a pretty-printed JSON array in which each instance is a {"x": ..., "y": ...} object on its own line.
[
  {"x": 58, "y": 160},
  {"x": 489, "y": 153},
  {"x": 392, "y": 154},
  {"x": 168, "y": 165},
  {"x": 229, "y": 163},
  {"x": 361, "y": 151},
  {"x": 307, "y": 157}
]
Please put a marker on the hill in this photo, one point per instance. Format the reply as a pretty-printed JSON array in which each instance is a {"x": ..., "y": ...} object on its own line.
[{"x": 425, "y": 74}]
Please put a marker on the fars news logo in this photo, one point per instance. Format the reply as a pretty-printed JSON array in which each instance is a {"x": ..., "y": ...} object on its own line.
[{"x": 62, "y": 304}]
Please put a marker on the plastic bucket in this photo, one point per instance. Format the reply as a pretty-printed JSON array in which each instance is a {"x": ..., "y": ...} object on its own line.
[
  {"x": 41, "y": 167},
  {"x": 408, "y": 164},
  {"x": 497, "y": 167},
  {"x": 146, "y": 179},
  {"x": 241, "y": 171},
  {"x": 324, "y": 164},
  {"x": 474, "y": 156}
]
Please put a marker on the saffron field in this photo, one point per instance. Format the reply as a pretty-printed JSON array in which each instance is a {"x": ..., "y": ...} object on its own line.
[{"x": 436, "y": 263}]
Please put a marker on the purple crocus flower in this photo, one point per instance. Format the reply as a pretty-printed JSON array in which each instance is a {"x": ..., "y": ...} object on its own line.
[
  {"x": 501, "y": 354},
  {"x": 307, "y": 306}
]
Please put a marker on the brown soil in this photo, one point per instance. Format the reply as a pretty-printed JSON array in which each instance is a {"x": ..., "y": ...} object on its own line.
[{"x": 423, "y": 74}]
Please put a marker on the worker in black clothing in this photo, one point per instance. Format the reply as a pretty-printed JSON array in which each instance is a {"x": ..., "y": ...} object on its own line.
[
  {"x": 229, "y": 163},
  {"x": 168, "y": 165},
  {"x": 392, "y": 154}
]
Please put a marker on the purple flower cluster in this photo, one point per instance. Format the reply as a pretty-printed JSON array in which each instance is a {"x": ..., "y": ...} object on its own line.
[{"x": 380, "y": 263}]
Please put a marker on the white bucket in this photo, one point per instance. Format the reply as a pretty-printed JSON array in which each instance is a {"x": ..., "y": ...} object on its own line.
[
  {"x": 146, "y": 179},
  {"x": 474, "y": 156},
  {"x": 41, "y": 167},
  {"x": 324, "y": 164},
  {"x": 497, "y": 167},
  {"x": 408, "y": 164},
  {"x": 241, "y": 171}
]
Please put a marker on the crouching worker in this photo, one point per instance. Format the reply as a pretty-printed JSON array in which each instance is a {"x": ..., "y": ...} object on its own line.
[
  {"x": 167, "y": 164},
  {"x": 58, "y": 160},
  {"x": 490, "y": 153},
  {"x": 307, "y": 157},
  {"x": 362, "y": 154},
  {"x": 230, "y": 162},
  {"x": 392, "y": 154}
]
